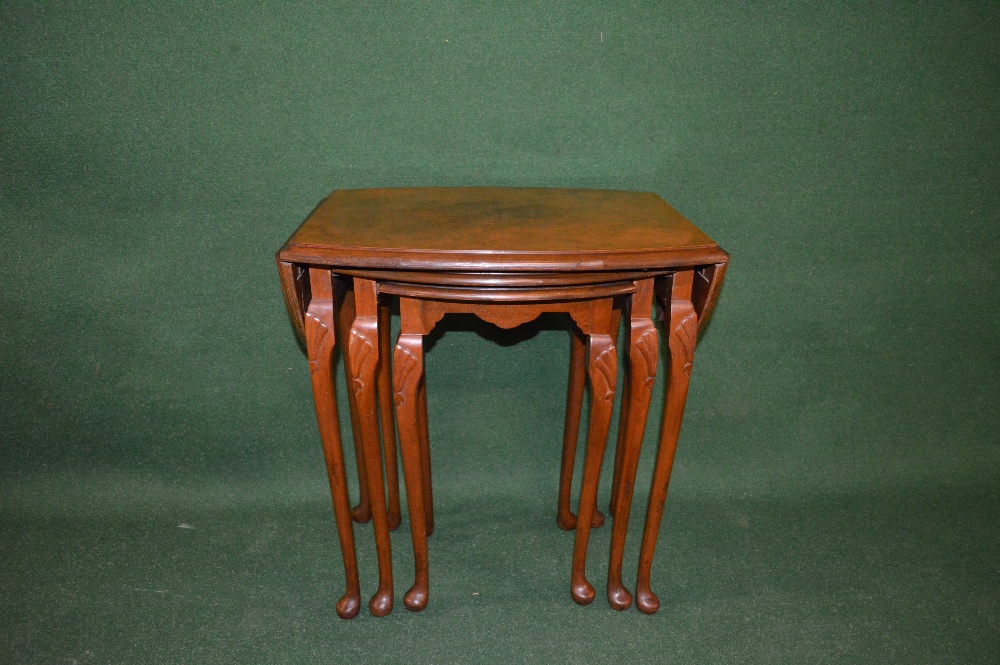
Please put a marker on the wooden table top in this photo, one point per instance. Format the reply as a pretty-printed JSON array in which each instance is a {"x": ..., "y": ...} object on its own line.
[{"x": 498, "y": 229}]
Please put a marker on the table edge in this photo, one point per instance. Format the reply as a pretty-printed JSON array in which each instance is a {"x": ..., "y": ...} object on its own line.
[{"x": 502, "y": 260}]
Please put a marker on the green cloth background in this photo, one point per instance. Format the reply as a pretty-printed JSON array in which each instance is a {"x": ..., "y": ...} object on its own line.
[{"x": 162, "y": 490}]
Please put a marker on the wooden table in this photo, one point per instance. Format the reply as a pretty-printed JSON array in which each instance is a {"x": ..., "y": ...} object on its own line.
[{"x": 506, "y": 255}]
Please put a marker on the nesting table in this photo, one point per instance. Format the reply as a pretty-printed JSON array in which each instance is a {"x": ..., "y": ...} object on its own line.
[{"x": 506, "y": 255}]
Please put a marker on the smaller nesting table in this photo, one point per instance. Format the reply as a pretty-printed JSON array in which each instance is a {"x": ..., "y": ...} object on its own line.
[{"x": 507, "y": 256}]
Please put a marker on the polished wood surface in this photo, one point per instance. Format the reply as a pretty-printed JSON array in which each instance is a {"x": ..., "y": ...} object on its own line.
[
  {"x": 504, "y": 228},
  {"x": 506, "y": 255}
]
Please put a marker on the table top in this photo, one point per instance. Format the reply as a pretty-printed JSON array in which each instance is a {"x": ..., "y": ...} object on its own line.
[{"x": 498, "y": 229}]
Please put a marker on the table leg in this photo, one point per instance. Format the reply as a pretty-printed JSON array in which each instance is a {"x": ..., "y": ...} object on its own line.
[
  {"x": 385, "y": 409},
  {"x": 345, "y": 317},
  {"x": 602, "y": 370},
  {"x": 320, "y": 334},
  {"x": 643, "y": 342},
  {"x": 425, "y": 454},
  {"x": 682, "y": 330},
  {"x": 565, "y": 519},
  {"x": 620, "y": 444},
  {"x": 408, "y": 372},
  {"x": 363, "y": 353}
]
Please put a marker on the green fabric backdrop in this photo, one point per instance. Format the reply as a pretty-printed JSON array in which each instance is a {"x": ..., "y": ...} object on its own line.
[{"x": 162, "y": 491}]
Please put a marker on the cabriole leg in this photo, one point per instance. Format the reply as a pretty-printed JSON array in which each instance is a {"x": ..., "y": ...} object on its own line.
[
  {"x": 602, "y": 369},
  {"x": 408, "y": 373},
  {"x": 345, "y": 318},
  {"x": 565, "y": 519},
  {"x": 682, "y": 330},
  {"x": 425, "y": 455},
  {"x": 385, "y": 410},
  {"x": 363, "y": 355},
  {"x": 642, "y": 357},
  {"x": 321, "y": 338}
]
